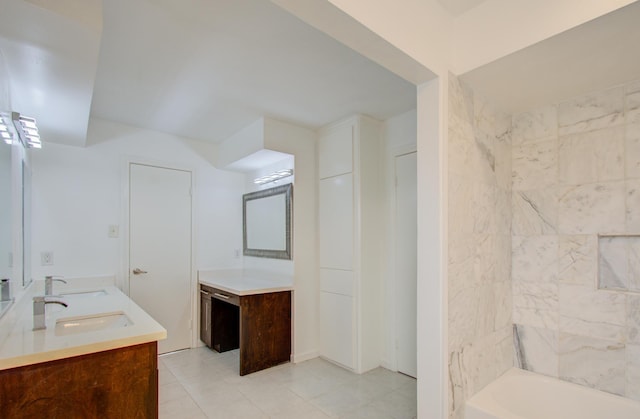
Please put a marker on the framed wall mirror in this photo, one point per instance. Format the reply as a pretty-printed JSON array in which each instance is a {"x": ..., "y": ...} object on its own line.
[{"x": 267, "y": 222}]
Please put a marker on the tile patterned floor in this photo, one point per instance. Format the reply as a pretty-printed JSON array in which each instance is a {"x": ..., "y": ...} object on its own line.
[{"x": 201, "y": 383}]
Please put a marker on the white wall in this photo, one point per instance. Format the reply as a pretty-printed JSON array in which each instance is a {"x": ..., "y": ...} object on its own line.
[
  {"x": 300, "y": 143},
  {"x": 77, "y": 195}
]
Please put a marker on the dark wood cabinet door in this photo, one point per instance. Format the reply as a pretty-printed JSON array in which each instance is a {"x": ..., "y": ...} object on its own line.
[
  {"x": 119, "y": 383},
  {"x": 205, "y": 317}
]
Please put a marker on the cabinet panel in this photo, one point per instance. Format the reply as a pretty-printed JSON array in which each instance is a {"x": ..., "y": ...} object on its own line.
[
  {"x": 336, "y": 281},
  {"x": 336, "y": 222},
  {"x": 336, "y": 328},
  {"x": 205, "y": 316},
  {"x": 335, "y": 152}
]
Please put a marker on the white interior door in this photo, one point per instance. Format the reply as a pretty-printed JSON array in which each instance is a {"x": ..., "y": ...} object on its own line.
[
  {"x": 160, "y": 249},
  {"x": 406, "y": 268}
]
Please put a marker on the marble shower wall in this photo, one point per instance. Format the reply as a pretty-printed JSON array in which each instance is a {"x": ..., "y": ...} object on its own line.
[
  {"x": 576, "y": 174},
  {"x": 479, "y": 245}
]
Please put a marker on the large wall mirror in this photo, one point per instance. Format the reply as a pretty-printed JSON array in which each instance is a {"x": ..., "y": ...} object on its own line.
[{"x": 267, "y": 222}]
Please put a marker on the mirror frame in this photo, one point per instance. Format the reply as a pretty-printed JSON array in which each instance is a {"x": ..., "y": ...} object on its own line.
[{"x": 287, "y": 190}]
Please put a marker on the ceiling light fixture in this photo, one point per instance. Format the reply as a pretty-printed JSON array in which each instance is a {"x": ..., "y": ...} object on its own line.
[
  {"x": 6, "y": 135},
  {"x": 273, "y": 177},
  {"x": 27, "y": 130},
  {"x": 22, "y": 126}
]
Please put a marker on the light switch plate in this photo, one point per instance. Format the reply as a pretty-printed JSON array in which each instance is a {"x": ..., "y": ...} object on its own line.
[{"x": 46, "y": 258}]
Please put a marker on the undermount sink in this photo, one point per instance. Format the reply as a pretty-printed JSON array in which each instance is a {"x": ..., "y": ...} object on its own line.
[
  {"x": 91, "y": 323},
  {"x": 82, "y": 294}
]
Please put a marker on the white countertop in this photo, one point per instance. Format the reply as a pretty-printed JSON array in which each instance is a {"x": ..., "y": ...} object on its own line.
[
  {"x": 24, "y": 346},
  {"x": 246, "y": 282}
]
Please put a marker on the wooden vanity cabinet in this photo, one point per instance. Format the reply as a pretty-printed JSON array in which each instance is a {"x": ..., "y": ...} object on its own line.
[
  {"x": 118, "y": 383},
  {"x": 258, "y": 324}
]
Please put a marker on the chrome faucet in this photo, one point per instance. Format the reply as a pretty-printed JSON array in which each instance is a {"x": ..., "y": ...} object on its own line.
[
  {"x": 48, "y": 283},
  {"x": 39, "y": 303}
]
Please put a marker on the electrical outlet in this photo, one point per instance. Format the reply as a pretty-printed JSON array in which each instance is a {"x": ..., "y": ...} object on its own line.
[
  {"x": 113, "y": 231},
  {"x": 46, "y": 258}
]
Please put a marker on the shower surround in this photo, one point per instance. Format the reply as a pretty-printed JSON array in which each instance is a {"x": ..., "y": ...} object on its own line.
[
  {"x": 528, "y": 197},
  {"x": 576, "y": 176}
]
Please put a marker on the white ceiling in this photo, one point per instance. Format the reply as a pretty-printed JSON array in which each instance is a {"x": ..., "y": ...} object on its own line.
[
  {"x": 458, "y": 7},
  {"x": 590, "y": 57},
  {"x": 204, "y": 69}
]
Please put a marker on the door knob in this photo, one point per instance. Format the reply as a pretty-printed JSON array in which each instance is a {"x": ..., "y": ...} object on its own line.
[{"x": 138, "y": 271}]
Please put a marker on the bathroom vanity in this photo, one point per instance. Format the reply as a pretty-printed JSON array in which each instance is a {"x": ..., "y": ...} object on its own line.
[
  {"x": 249, "y": 310},
  {"x": 96, "y": 358}
]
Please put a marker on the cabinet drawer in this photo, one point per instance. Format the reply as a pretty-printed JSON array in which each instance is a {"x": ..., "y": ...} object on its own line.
[{"x": 225, "y": 296}]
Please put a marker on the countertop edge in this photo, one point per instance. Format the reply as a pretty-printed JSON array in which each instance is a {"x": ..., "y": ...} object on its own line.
[
  {"x": 62, "y": 353},
  {"x": 242, "y": 293}
]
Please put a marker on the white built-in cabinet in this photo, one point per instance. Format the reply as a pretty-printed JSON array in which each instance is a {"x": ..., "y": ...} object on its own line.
[{"x": 350, "y": 235}]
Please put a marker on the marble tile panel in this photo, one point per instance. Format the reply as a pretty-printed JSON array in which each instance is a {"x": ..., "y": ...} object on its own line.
[
  {"x": 594, "y": 156},
  {"x": 485, "y": 258},
  {"x": 535, "y": 166},
  {"x": 503, "y": 298},
  {"x": 633, "y": 372},
  {"x": 591, "y": 111},
  {"x": 539, "y": 124},
  {"x": 595, "y": 363},
  {"x": 504, "y": 128},
  {"x": 613, "y": 262},
  {"x": 461, "y": 205},
  {"x": 487, "y": 310},
  {"x": 534, "y": 212},
  {"x": 586, "y": 311},
  {"x": 632, "y": 203},
  {"x": 460, "y": 147},
  {"x": 503, "y": 257},
  {"x": 484, "y": 208},
  {"x": 632, "y": 102},
  {"x": 502, "y": 211},
  {"x": 536, "y": 317},
  {"x": 577, "y": 256},
  {"x": 484, "y": 156},
  {"x": 632, "y": 150},
  {"x": 633, "y": 319},
  {"x": 478, "y": 364},
  {"x": 592, "y": 208},
  {"x": 463, "y": 317},
  {"x": 461, "y": 266},
  {"x": 484, "y": 116},
  {"x": 503, "y": 170},
  {"x": 534, "y": 259},
  {"x": 633, "y": 283},
  {"x": 456, "y": 383},
  {"x": 539, "y": 349},
  {"x": 540, "y": 295},
  {"x": 460, "y": 99},
  {"x": 504, "y": 349}
]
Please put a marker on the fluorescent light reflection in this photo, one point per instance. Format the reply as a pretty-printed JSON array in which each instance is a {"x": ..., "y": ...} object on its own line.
[{"x": 273, "y": 177}]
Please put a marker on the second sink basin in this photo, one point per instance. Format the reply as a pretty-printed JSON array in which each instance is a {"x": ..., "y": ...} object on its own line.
[{"x": 91, "y": 323}]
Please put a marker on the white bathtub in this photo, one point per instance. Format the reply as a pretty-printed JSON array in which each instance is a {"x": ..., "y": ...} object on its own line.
[{"x": 520, "y": 394}]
